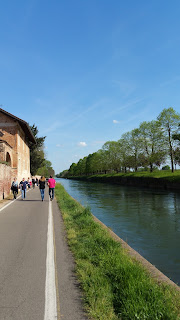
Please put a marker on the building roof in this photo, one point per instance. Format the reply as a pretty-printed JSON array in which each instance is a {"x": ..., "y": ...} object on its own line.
[
  {"x": 3, "y": 141},
  {"x": 24, "y": 125}
]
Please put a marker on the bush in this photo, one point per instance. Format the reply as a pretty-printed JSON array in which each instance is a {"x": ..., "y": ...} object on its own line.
[{"x": 166, "y": 168}]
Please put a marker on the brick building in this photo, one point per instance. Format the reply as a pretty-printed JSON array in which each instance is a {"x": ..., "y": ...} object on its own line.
[{"x": 15, "y": 135}]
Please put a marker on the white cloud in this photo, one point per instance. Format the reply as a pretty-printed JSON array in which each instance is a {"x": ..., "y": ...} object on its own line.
[
  {"x": 82, "y": 144},
  {"x": 115, "y": 121},
  {"x": 59, "y": 145}
]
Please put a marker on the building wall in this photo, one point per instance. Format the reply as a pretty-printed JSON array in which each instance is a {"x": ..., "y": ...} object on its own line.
[
  {"x": 11, "y": 132},
  {"x": 23, "y": 155},
  {"x": 5, "y": 152},
  {"x": 5, "y": 180}
]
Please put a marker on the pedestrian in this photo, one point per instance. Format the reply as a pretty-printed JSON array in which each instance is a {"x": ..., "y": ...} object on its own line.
[
  {"x": 51, "y": 184},
  {"x": 29, "y": 185},
  {"x": 14, "y": 187},
  {"x": 23, "y": 185},
  {"x": 42, "y": 181},
  {"x": 33, "y": 182},
  {"x": 37, "y": 182}
]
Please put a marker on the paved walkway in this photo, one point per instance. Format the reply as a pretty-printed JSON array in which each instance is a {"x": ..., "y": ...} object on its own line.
[{"x": 37, "y": 280}]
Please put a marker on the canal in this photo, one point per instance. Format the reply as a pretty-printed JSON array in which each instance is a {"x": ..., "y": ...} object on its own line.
[{"x": 148, "y": 220}]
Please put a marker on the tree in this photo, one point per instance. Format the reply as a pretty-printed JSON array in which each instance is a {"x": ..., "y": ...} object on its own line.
[
  {"x": 81, "y": 167},
  {"x": 46, "y": 170},
  {"x": 125, "y": 150},
  {"x": 62, "y": 174},
  {"x": 176, "y": 136},
  {"x": 90, "y": 164},
  {"x": 176, "y": 157},
  {"x": 153, "y": 143},
  {"x": 113, "y": 155},
  {"x": 72, "y": 169},
  {"x": 36, "y": 151},
  {"x": 134, "y": 142},
  {"x": 93, "y": 163},
  {"x": 169, "y": 120}
]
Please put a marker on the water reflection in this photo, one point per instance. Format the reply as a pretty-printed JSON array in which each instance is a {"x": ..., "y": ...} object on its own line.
[{"x": 149, "y": 220}]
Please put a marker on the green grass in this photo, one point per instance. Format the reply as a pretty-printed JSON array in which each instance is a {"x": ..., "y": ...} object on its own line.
[
  {"x": 164, "y": 175},
  {"x": 158, "y": 174},
  {"x": 114, "y": 285}
]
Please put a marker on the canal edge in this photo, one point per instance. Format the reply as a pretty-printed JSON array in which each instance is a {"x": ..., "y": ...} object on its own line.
[{"x": 155, "y": 273}]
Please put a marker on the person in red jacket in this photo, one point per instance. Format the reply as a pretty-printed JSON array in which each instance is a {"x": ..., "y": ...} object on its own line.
[{"x": 51, "y": 184}]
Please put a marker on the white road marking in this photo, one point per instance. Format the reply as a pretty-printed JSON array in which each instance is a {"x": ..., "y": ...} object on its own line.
[
  {"x": 8, "y": 204},
  {"x": 50, "y": 312}
]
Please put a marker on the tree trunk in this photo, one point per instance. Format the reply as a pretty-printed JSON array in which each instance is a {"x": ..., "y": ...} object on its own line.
[
  {"x": 151, "y": 167},
  {"x": 171, "y": 150}
]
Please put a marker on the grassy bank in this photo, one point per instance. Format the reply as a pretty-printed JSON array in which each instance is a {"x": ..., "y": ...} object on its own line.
[
  {"x": 114, "y": 286},
  {"x": 159, "y": 174},
  {"x": 157, "y": 179}
]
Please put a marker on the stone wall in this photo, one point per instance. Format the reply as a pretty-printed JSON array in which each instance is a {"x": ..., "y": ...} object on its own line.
[{"x": 5, "y": 180}]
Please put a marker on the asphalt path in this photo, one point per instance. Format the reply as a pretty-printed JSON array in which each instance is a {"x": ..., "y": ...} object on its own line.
[{"x": 37, "y": 279}]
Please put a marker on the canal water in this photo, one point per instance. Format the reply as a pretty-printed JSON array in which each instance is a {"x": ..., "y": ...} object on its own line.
[{"x": 147, "y": 219}]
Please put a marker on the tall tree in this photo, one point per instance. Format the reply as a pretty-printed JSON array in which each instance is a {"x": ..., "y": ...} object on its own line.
[
  {"x": 125, "y": 150},
  {"x": 36, "y": 151},
  {"x": 176, "y": 137},
  {"x": 46, "y": 169},
  {"x": 81, "y": 166},
  {"x": 93, "y": 163},
  {"x": 102, "y": 159},
  {"x": 169, "y": 120},
  {"x": 153, "y": 143},
  {"x": 134, "y": 142},
  {"x": 176, "y": 157},
  {"x": 113, "y": 152},
  {"x": 72, "y": 170}
]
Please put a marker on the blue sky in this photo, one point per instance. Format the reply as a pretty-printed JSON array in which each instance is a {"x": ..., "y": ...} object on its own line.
[{"x": 86, "y": 71}]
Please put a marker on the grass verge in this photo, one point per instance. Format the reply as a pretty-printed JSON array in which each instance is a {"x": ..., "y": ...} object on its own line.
[
  {"x": 164, "y": 175},
  {"x": 114, "y": 285}
]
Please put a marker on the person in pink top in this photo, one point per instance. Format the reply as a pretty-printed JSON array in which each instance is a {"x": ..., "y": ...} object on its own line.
[{"x": 51, "y": 184}]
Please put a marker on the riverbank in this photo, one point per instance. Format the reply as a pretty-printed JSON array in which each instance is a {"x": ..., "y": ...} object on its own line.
[
  {"x": 115, "y": 285},
  {"x": 157, "y": 179}
]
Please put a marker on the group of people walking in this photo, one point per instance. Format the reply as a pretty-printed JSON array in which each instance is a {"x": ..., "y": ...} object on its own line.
[
  {"x": 23, "y": 185},
  {"x": 51, "y": 183},
  {"x": 32, "y": 182}
]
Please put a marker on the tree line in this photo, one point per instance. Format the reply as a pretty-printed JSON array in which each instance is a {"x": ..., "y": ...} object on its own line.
[
  {"x": 147, "y": 147},
  {"x": 39, "y": 165}
]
